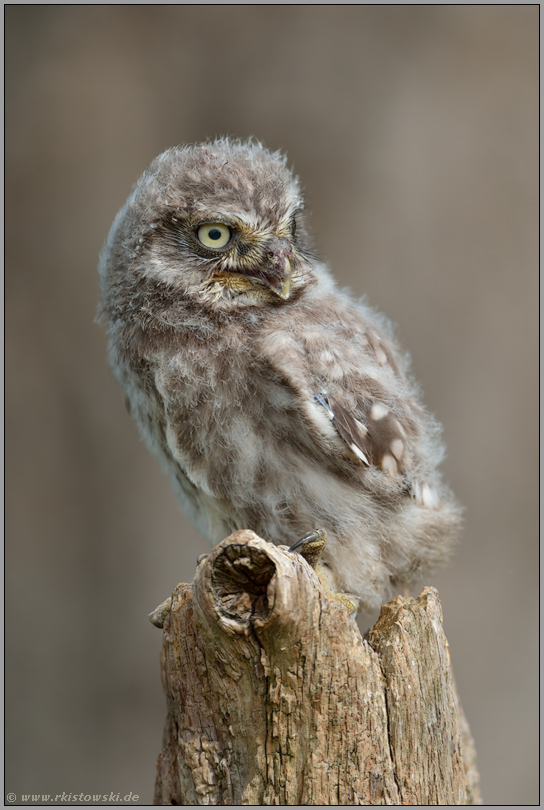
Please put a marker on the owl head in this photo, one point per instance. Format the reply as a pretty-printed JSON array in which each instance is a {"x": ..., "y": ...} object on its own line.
[{"x": 221, "y": 223}]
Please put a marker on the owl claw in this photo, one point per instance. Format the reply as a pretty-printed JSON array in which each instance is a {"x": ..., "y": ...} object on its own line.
[{"x": 311, "y": 546}]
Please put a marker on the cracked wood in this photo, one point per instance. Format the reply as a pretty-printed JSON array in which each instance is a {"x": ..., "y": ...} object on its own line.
[{"x": 274, "y": 698}]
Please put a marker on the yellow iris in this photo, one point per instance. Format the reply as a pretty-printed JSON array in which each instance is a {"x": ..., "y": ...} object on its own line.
[{"x": 214, "y": 235}]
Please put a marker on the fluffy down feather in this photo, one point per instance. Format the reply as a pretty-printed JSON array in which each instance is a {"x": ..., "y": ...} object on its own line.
[{"x": 275, "y": 401}]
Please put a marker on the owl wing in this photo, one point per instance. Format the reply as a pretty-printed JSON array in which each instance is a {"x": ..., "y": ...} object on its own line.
[
  {"x": 351, "y": 387},
  {"x": 377, "y": 438},
  {"x": 353, "y": 432}
]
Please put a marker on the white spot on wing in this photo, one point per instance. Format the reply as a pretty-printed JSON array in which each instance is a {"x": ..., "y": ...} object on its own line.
[
  {"x": 378, "y": 411},
  {"x": 399, "y": 427},
  {"x": 361, "y": 427},
  {"x": 389, "y": 464},
  {"x": 359, "y": 453},
  {"x": 425, "y": 495},
  {"x": 429, "y": 496},
  {"x": 321, "y": 419},
  {"x": 397, "y": 448}
]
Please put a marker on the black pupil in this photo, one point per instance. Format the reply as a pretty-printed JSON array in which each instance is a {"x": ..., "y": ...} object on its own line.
[{"x": 214, "y": 233}]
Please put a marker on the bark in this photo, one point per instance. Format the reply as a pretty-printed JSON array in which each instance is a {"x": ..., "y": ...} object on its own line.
[{"x": 275, "y": 699}]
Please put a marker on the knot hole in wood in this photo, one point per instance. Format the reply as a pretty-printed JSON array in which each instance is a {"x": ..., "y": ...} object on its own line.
[{"x": 240, "y": 577}]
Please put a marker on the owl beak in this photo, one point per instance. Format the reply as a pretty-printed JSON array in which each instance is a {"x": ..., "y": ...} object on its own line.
[{"x": 276, "y": 274}]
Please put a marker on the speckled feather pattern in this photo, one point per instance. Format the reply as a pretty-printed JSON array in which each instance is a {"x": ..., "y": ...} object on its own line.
[{"x": 276, "y": 414}]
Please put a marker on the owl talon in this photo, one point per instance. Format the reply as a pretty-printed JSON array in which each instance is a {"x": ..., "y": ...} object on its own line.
[{"x": 311, "y": 546}]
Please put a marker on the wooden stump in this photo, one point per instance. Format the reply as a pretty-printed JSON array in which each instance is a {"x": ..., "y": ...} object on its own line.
[{"x": 275, "y": 699}]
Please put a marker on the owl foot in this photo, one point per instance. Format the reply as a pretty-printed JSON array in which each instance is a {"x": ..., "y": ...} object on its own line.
[{"x": 311, "y": 547}]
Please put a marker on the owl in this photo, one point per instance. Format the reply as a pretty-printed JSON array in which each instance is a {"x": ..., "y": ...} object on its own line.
[{"x": 275, "y": 401}]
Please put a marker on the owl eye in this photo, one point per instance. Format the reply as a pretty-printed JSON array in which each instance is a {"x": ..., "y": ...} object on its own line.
[{"x": 214, "y": 235}]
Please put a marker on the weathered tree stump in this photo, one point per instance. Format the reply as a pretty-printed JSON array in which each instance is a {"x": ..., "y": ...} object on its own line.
[{"x": 275, "y": 699}]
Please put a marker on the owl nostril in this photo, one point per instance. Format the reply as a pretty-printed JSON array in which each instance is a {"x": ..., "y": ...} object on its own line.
[
  {"x": 278, "y": 257},
  {"x": 279, "y": 247}
]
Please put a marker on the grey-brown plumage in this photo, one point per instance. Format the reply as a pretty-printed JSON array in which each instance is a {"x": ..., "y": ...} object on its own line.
[{"x": 275, "y": 401}]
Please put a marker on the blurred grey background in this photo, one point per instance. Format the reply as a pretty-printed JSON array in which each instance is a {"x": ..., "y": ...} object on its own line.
[{"x": 415, "y": 132}]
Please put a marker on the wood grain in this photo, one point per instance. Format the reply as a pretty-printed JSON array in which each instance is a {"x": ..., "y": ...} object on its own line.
[{"x": 273, "y": 697}]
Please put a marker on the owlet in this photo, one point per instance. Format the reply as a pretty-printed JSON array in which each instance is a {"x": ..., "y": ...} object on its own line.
[{"x": 275, "y": 401}]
